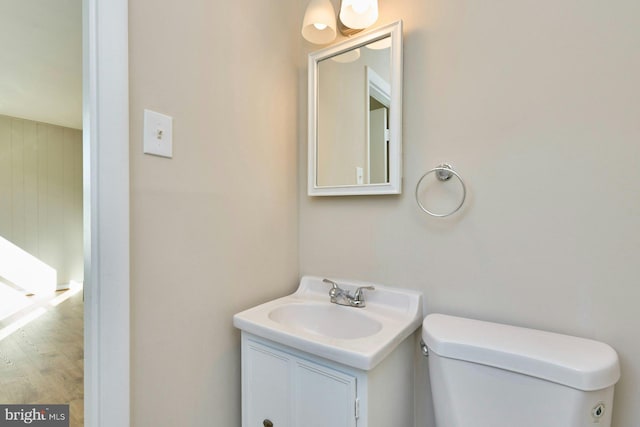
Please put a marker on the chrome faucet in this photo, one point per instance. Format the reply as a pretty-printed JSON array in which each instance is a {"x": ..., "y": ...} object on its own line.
[{"x": 341, "y": 296}]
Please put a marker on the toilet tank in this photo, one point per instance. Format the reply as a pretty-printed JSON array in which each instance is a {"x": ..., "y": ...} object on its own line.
[{"x": 492, "y": 375}]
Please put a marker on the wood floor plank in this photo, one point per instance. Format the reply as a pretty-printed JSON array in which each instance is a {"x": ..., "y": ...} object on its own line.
[{"x": 42, "y": 362}]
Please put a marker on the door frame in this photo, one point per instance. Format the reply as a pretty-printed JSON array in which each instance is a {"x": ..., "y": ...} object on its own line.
[{"x": 106, "y": 212}]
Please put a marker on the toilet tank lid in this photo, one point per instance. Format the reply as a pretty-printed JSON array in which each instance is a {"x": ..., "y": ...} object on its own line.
[{"x": 576, "y": 362}]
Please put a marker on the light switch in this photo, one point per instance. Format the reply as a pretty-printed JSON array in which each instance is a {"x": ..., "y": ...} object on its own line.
[
  {"x": 158, "y": 134},
  {"x": 359, "y": 175}
]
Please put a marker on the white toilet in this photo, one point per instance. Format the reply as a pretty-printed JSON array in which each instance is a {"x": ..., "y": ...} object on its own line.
[{"x": 491, "y": 375}]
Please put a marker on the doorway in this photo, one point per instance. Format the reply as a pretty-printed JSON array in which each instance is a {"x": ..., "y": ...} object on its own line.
[
  {"x": 106, "y": 211},
  {"x": 41, "y": 209}
]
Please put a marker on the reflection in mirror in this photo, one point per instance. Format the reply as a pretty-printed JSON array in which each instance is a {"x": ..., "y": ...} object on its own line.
[
  {"x": 378, "y": 98},
  {"x": 355, "y": 115},
  {"x": 353, "y": 103}
]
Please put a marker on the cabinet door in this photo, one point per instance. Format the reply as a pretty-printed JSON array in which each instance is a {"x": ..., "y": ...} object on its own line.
[
  {"x": 323, "y": 396},
  {"x": 266, "y": 389}
]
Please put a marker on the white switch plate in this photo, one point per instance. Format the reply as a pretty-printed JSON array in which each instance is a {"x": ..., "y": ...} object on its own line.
[
  {"x": 158, "y": 134},
  {"x": 359, "y": 175}
]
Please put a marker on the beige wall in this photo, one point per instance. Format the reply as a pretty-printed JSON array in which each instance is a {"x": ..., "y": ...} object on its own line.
[
  {"x": 537, "y": 106},
  {"x": 213, "y": 230},
  {"x": 41, "y": 193}
]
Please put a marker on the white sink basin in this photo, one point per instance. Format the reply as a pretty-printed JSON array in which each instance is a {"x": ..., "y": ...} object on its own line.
[
  {"x": 358, "y": 337},
  {"x": 328, "y": 320}
]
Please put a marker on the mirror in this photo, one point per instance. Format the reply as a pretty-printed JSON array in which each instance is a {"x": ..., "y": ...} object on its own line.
[{"x": 355, "y": 115}]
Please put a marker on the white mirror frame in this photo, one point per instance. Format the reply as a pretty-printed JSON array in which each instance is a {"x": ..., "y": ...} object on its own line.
[{"x": 394, "y": 186}]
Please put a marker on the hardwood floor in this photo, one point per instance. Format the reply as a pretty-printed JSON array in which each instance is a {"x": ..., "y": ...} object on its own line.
[{"x": 42, "y": 361}]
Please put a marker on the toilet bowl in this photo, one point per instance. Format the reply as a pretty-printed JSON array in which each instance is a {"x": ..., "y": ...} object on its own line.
[{"x": 492, "y": 375}]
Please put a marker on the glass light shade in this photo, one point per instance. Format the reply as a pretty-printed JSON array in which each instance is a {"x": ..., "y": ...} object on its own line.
[
  {"x": 359, "y": 14},
  {"x": 319, "y": 24}
]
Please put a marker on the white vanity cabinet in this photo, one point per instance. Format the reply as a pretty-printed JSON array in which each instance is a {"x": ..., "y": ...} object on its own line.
[
  {"x": 287, "y": 390},
  {"x": 284, "y": 387}
]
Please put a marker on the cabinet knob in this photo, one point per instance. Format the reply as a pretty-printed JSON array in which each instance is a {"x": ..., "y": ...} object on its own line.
[{"x": 267, "y": 423}]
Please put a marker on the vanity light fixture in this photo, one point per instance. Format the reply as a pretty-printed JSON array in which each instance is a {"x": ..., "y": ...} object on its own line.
[
  {"x": 319, "y": 23},
  {"x": 359, "y": 14}
]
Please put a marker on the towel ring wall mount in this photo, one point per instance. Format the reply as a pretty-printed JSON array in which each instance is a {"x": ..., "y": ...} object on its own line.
[{"x": 443, "y": 172}]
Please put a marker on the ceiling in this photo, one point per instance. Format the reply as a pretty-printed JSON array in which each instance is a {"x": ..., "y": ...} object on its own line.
[{"x": 41, "y": 60}]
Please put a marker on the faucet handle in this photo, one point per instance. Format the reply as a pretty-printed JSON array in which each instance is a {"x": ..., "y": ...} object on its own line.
[
  {"x": 334, "y": 291},
  {"x": 333, "y": 284},
  {"x": 358, "y": 296}
]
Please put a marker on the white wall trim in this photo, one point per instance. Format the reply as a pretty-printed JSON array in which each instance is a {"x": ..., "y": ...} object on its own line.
[{"x": 106, "y": 206}]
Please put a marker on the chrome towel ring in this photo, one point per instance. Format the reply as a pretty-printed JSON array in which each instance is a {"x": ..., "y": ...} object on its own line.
[{"x": 443, "y": 172}]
